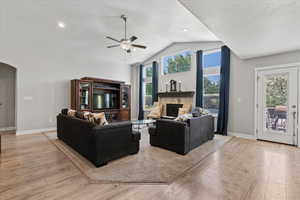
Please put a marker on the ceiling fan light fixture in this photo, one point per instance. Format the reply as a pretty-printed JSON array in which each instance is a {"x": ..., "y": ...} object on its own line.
[{"x": 126, "y": 45}]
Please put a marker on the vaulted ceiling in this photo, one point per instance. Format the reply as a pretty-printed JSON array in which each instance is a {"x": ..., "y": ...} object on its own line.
[
  {"x": 32, "y": 26},
  {"x": 251, "y": 28}
]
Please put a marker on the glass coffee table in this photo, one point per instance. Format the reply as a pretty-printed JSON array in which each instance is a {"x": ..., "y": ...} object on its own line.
[{"x": 138, "y": 124}]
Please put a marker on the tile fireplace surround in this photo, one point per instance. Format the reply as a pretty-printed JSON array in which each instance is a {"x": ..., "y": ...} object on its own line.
[{"x": 175, "y": 98}]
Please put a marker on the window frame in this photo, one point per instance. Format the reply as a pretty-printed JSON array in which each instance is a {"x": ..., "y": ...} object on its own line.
[
  {"x": 146, "y": 80},
  {"x": 173, "y": 54},
  {"x": 211, "y": 71}
]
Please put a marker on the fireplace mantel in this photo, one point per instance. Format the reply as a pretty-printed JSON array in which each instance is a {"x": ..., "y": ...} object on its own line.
[{"x": 176, "y": 94}]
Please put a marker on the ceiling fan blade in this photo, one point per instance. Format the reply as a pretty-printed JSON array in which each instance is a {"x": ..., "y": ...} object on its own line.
[
  {"x": 139, "y": 46},
  {"x": 112, "y": 39},
  {"x": 133, "y": 38},
  {"x": 112, "y": 46}
]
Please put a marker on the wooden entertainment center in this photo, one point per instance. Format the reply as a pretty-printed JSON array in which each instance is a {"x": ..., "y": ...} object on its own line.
[{"x": 101, "y": 95}]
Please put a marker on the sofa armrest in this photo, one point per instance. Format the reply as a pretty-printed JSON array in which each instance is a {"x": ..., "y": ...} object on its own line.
[
  {"x": 201, "y": 129},
  {"x": 136, "y": 136},
  {"x": 76, "y": 133},
  {"x": 111, "y": 139},
  {"x": 152, "y": 130},
  {"x": 173, "y": 135}
]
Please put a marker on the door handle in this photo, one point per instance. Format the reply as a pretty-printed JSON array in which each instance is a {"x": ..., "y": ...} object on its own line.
[{"x": 294, "y": 127}]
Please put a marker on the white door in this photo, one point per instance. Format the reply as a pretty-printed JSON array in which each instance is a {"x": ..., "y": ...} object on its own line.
[{"x": 277, "y": 105}]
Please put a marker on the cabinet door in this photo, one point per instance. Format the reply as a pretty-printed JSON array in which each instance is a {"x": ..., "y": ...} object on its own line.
[
  {"x": 85, "y": 90},
  {"x": 124, "y": 114},
  {"x": 125, "y": 97}
]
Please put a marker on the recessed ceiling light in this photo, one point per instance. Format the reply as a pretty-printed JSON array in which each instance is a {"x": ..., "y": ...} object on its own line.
[
  {"x": 185, "y": 30},
  {"x": 61, "y": 25}
]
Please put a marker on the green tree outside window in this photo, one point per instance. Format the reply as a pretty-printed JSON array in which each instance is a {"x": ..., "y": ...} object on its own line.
[
  {"x": 177, "y": 63},
  {"x": 210, "y": 87},
  {"x": 277, "y": 91}
]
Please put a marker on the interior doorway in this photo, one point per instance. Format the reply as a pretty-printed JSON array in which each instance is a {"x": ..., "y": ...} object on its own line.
[
  {"x": 7, "y": 98},
  {"x": 277, "y": 103}
]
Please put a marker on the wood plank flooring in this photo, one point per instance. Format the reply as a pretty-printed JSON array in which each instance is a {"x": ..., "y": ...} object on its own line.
[{"x": 32, "y": 168}]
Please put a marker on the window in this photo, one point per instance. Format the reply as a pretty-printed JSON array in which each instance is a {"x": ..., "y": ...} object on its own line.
[
  {"x": 147, "y": 85},
  {"x": 180, "y": 62},
  {"x": 211, "y": 80}
]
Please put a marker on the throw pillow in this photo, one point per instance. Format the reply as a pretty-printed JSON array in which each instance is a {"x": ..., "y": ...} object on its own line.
[
  {"x": 99, "y": 118},
  {"x": 198, "y": 111},
  {"x": 182, "y": 111},
  {"x": 79, "y": 115},
  {"x": 184, "y": 117},
  {"x": 87, "y": 115},
  {"x": 64, "y": 111},
  {"x": 155, "y": 111},
  {"x": 71, "y": 112},
  {"x": 188, "y": 107}
]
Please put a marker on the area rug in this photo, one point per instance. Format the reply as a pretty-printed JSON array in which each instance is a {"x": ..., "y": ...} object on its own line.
[{"x": 150, "y": 165}]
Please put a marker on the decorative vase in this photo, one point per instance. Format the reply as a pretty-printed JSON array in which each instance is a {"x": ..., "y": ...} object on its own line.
[{"x": 179, "y": 86}]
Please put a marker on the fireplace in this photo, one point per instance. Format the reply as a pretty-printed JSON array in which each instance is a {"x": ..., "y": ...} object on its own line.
[{"x": 172, "y": 109}]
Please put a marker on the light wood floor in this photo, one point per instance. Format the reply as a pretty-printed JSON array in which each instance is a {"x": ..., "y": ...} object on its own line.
[{"x": 32, "y": 168}]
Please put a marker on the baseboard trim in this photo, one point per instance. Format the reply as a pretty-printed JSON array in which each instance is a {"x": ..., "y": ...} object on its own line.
[
  {"x": 33, "y": 131},
  {"x": 8, "y": 129},
  {"x": 242, "y": 135}
]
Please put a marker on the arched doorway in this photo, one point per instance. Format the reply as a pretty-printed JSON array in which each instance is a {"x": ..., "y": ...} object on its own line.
[{"x": 7, "y": 98}]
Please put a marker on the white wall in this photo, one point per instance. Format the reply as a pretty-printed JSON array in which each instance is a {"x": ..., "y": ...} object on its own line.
[
  {"x": 43, "y": 85},
  {"x": 242, "y": 90}
]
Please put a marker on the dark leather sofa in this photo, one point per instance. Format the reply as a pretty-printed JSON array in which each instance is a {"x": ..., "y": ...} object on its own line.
[
  {"x": 182, "y": 137},
  {"x": 99, "y": 144}
]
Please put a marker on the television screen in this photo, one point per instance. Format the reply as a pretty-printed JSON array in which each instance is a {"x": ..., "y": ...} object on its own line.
[{"x": 102, "y": 100}]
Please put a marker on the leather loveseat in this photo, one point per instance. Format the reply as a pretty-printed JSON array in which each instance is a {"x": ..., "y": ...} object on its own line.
[{"x": 182, "y": 137}]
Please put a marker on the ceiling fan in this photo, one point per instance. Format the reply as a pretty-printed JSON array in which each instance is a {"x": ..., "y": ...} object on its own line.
[{"x": 126, "y": 43}]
